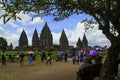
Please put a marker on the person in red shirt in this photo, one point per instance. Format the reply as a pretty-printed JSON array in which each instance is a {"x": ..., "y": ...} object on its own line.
[{"x": 73, "y": 56}]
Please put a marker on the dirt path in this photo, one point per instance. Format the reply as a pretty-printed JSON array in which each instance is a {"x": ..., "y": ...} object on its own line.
[{"x": 41, "y": 71}]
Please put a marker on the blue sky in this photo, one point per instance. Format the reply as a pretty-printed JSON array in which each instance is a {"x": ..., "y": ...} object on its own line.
[{"x": 72, "y": 26}]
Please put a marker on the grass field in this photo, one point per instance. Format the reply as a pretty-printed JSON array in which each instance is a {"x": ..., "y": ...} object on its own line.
[{"x": 40, "y": 71}]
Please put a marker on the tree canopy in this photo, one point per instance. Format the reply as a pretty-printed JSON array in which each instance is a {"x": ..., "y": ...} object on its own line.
[{"x": 3, "y": 44}]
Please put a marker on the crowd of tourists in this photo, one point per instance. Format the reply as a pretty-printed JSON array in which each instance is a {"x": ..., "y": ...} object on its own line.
[{"x": 80, "y": 56}]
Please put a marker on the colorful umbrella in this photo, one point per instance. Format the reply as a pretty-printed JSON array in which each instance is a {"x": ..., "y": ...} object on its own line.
[
  {"x": 93, "y": 53},
  {"x": 81, "y": 51},
  {"x": 98, "y": 49},
  {"x": 31, "y": 52},
  {"x": 61, "y": 53}
]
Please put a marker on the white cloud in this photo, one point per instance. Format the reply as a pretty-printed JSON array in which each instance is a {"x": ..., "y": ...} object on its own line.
[
  {"x": 74, "y": 34},
  {"x": 9, "y": 36},
  {"x": 94, "y": 36},
  {"x": 56, "y": 37},
  {"x": 25, "y": 19},
  {"x": 20, "y": 29},
  {"x": 13, "y": 25},
  {"x": 12, "y": 37}
]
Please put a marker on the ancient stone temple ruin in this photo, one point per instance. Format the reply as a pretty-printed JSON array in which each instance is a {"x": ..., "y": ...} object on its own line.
[
  {"x": 35, "y": 40},
  {"x": 82, "y": 44},
  {"x": 45, "y": 40},
  {"x": 63, "y": 41},
  {"x": 23, "y": 40}
]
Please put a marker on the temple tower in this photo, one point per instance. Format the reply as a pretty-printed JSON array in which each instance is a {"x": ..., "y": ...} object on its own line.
[
  {"x": 64, "y": 41},
  {"x": 23, "y": 40},
  {"x": 35, "y": 39},
  {"x": 46, "y": 39},
  {"x": 79, "y": 44},
  {"x": 84, "y": 42}
]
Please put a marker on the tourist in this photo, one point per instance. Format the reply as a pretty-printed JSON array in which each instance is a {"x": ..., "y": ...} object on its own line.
[
  {"x": 17, "y": 57},
  {"x": 12, "y": 57},
  {"x": 31, "y": 61},
  {"x": 81, "y": 56},
  {"x": 43, "y": 56},
  {"x": 61, "y": 54},
  {"x": 21, "y": 58},
  {"x": 34, "y": 57},
  {"x": 3, "y": 58},
  {"x": 65, "y": 56},
  {"x": 86, "y": 62},
  {"x": 73, "y": 56},
  {"x": 57, "y": 56},
  {"x": 48, "y": 59},
  {"x": 77, "y": 57}
]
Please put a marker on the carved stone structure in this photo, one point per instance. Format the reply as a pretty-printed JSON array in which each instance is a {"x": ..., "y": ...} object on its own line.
[
  {"x": 35, "y": 40},
  {"x": 79, "y": 44},
  {"x": 84, "y": 42},
  {"x": 46, "y": 39},
  {"x": 23, "y": 40},
  {"x": 63, "y": 41}
]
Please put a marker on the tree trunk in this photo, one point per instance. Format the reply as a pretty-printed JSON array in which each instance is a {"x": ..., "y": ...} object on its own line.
[{"x": 110, "y": 67}]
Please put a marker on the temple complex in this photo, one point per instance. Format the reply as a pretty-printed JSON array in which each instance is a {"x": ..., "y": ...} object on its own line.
[{"x": 45, "y": 40}]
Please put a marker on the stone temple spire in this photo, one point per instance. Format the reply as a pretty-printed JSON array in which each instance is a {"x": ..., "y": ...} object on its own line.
[
  {"x": 35, "y": 39},
  {"x": 84, "y": 42},
  {"x": 23, "y": 40},
  {"x": 63, "y": 40},
  {"x": 79, "y": 44},
  {"x": 46, "y": 39}
]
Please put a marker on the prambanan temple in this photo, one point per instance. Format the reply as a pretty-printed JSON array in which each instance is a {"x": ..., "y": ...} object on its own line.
[{"x": 46, "y": 40}]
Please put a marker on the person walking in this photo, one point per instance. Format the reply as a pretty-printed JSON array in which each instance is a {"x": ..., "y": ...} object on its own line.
[
  {"x": 17, "y": 57},
  {"x": 65, "y": 56},
  {"x": 31, "y": 60},
  {"x": 48, "y": 59},
  {"x": 73, "y": 56},
  {"x": 3, "y": 59},
  {"x": 43, "y": 56},
  {"x": 21, "y": 58}
]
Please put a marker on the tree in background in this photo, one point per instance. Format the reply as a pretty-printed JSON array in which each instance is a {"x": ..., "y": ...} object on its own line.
[
  {"x": 106, "y": 13},
  {"x": 3, "y": 44}
]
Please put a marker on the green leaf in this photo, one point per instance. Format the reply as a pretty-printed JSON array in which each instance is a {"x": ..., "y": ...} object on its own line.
[
  {"x": 7, "y": 19},
  {"x": 4, "y": 19},
  {"x": 14, "y": 17},
  {"x": 19, "y": 18}
]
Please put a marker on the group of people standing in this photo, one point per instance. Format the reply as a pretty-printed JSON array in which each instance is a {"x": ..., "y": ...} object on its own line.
[
  {"x": 12, "y": 58},
  {"x": 76, "y": 56},
  {"x": 46, "y": 57},
  {"x": 89, "y": 57},
  {"x": 80, "y": 56}
]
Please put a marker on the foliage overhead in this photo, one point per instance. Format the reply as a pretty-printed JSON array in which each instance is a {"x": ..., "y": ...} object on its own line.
[{"x": 104, "y": 12}]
